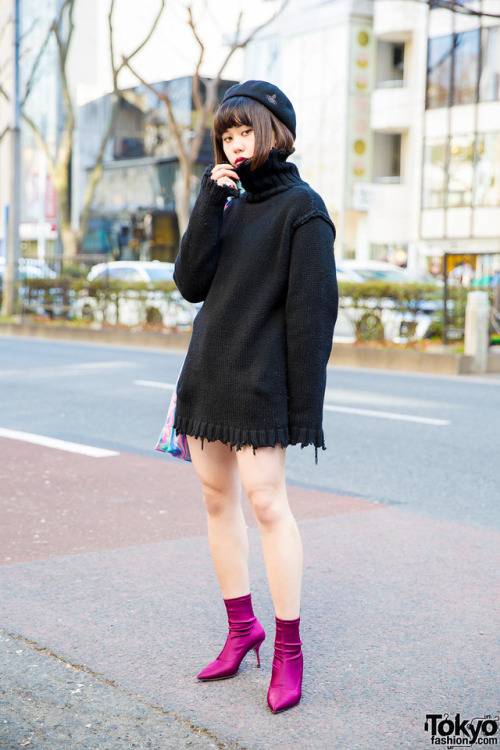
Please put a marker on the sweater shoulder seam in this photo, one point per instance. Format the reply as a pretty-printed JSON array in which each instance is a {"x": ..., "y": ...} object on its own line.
[{"x": 313, "y": 213}]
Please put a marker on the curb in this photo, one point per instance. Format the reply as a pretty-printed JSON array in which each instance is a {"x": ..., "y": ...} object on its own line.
[{"x": 344, "y": 355}]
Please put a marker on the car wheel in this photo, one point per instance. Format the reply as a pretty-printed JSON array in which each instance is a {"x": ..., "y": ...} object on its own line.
[{"x": 370, "y": 328}]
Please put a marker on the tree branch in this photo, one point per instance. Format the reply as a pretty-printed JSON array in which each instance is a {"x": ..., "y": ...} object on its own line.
[
  {"x": 35, "y": 66},
  {"x": 4, "y": 132},
  {"x": 195, "y": 81},
  {"x": 111, "y": 45},
  {"x": 146, "y": 40},
  {"x": 63, "y": 47},
  {"x": 164, "y": 97},
  {"x": 240, "y": 45},
  {"x": 41, "y": 142}
]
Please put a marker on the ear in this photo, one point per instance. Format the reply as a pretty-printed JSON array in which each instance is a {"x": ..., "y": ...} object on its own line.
[{"x": 274, "y": 138}]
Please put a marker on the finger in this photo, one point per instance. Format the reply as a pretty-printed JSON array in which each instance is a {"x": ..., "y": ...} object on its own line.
[
  {"x": 224, "y": 170},
  {"x": 227, "y": 182}
]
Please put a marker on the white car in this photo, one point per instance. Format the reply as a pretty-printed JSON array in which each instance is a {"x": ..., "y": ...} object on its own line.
[
  {"x": 378, "y": 319},
  {"x": 134, "y": 308},
  {"x": 30, "y": 268}
]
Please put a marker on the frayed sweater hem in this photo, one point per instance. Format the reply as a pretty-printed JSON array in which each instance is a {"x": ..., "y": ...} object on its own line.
[{"x": 236, "y": 437}]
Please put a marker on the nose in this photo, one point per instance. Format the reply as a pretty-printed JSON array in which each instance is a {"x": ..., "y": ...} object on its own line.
[{"x": 238, "y": 146}]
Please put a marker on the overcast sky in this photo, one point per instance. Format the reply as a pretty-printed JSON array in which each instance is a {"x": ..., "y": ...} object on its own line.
[{"x": 172, "y": 51}]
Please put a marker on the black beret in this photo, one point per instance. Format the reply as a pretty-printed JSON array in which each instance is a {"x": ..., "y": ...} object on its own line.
[{"x": 270, "y": 96}]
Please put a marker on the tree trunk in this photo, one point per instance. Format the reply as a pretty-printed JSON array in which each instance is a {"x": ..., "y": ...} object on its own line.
[
  {"x": 182, "y": 195},
  {"x": 69, "y": 238}
]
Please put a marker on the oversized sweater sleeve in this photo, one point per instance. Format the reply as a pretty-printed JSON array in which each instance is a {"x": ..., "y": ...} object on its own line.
[
  {"x": 311, "y": 313},
  {"x": 196, "y": 262}
]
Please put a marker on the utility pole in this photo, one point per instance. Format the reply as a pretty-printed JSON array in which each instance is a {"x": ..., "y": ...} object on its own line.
[{"x": 13, "y": 250}]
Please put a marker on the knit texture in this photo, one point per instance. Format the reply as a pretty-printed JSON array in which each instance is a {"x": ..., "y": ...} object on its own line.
[{"x": 255, "y": 370}]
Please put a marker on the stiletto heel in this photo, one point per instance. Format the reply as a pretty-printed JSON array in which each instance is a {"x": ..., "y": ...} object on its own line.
[
  {"x": 245, "y": 633},
  {"x": 256, "y": 649}
]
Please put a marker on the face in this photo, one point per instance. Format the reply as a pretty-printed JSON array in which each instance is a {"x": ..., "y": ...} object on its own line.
[{"x": 238, "y": 143}]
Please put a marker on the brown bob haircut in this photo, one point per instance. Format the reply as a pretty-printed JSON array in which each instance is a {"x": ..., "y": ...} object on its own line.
[{"x": 241, "y": 110}]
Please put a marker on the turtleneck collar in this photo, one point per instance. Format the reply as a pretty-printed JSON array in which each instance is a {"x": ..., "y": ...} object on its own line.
[{"x": 272, "y": 177}]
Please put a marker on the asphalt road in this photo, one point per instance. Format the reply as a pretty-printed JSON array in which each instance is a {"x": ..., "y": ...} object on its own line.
[
  {"x": 108, "y": 602},
  {"x": 109, "y": 397}
]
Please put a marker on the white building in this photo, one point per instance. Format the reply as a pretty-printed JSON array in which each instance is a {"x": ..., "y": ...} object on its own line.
[
  {"x": 323, "y": 56},
  {"x": 397, "y": 122},
  {"x": 398, "y": 110},
  {"x": 447, "y": 113}
]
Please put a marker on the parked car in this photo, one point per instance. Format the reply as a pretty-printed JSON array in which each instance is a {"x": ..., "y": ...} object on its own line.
[
  {"x": 378, "y": 318},
  {"x": 134, "y": 308},
  {"x": 379, "y": 270},
  {"x": 30, "y": 268},
  {"x": 132, "y": 270}
]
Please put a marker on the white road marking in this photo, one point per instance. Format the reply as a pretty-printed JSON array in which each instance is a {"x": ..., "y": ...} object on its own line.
[
  {"x": 387, "y": 415},
  {"x": 329, "y": 407},
  {"x": 155, "y": 384},
  {"x": 61, "y": 445},
  {"x": 101, "y": 365}
]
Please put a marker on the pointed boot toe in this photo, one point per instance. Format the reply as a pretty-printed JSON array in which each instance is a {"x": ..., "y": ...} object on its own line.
[
  {"x": 245, "y": 633},
  {"x": 285, "y": 690},
  {"x": 280, "y": 699}
]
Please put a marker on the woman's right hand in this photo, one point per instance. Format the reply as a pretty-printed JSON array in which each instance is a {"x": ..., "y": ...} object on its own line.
[{"x": 224, "y": 174}]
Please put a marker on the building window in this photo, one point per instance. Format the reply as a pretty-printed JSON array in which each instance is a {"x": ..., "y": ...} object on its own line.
[
  {"x": 487, "y": 171},
  {"x": 434, "y": 177},
  {"x": 466, "y": 67},
  {"x": 461, "y": 171},
  {"x": 387, "y": 165},
  {"x": 439, "y": 71},
  {"x": 489, "y": 81},
  {"x": 390, "y": 64}
]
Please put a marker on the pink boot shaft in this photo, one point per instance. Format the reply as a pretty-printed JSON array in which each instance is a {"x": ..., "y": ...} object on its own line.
[
  {"x": 245, "y": 633},
  {"x": 285, "y": 689}
]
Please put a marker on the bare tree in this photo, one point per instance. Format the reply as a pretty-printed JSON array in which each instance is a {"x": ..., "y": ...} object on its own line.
[
  {"x": 58, "y": 164},
  {"x": 204, "y": 94},
  {"x": 96, "y": 173},
  {"x": 3, "y": 65}
]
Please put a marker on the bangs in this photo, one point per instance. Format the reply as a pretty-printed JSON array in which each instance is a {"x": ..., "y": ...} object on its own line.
[
  {"x": 268, "y": 130},
  {"x": 236, "y": 111}
]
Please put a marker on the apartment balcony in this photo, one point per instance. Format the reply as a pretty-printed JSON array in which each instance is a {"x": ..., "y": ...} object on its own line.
[
  {"x": 391, "y": 107},
  {"x": 396, "y": 20}
]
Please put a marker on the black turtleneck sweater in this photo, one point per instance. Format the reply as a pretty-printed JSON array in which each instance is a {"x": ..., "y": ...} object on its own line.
[{"x": 255, "y": 370}]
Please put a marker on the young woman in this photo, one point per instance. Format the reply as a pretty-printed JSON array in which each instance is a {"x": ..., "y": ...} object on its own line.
[{"x": 255, "y": 372}]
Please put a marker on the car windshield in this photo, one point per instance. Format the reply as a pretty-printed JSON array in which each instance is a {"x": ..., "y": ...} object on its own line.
[{"x": 160, "y": 274}]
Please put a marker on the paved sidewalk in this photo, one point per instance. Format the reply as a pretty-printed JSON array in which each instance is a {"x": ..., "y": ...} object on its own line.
[
  {"x": 48, "y": 704},
  {"x": 107, "y": 586}
]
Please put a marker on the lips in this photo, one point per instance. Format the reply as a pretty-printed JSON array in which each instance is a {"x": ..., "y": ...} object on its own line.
[{"x": 239, "y": 161}]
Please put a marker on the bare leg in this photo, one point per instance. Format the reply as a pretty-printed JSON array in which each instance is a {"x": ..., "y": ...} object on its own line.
[
  {"x": 217, "y": 470},
  {"x": 263, "y": 477}
]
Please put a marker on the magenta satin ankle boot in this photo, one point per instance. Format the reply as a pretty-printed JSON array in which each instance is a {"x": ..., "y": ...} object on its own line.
[
  {"x": 245, "y": 633},
  {"x": 286, "y": 680}
]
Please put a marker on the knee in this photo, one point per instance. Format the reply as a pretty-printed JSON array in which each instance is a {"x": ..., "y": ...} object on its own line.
[
  {"x": 269, "y": 504},
  {"x": 217, "y": 500}
]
